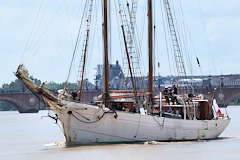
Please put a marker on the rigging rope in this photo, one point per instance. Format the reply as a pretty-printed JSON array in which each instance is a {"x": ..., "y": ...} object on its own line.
[
  {"x": 36, "y": 25},
  {"x": 92, "y": 41},
  {"x": 167, "y": 41},
  {"x": 76, "y": 46},
  {"x": 128, "y": 21},
  {"x": 88, "y": 120}
]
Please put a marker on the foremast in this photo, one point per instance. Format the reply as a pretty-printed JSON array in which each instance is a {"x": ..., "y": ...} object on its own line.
[{"x": 105, "y": 46}]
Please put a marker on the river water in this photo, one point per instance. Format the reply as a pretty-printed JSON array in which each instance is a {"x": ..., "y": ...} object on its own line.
[{"x": 35, "y": 137}]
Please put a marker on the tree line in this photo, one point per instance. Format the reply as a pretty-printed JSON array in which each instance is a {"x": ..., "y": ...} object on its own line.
[{"x": 17, "y": 86}]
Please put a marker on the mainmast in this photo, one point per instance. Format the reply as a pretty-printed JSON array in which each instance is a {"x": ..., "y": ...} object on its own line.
[
  {"x": 105, "y": 46},
  {"x": 150, "y": 51}
]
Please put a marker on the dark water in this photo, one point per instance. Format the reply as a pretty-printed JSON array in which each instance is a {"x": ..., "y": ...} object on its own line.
[{"x": 30, "y": 137}]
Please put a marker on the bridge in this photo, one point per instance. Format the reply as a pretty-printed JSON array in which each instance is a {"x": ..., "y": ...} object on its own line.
[
  {"x": 223, "y": 95},
  {"x": 24, "y": 102},
  {"x": 29, "y": 103}
]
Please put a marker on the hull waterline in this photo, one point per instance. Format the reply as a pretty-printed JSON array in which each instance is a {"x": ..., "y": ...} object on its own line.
[{"x": 132, "y": 127}]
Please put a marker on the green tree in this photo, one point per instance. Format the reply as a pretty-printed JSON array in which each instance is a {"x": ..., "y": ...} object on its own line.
[{"x": 17, "y": 86}]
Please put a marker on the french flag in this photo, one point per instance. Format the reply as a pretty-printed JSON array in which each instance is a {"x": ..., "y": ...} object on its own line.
[{"x": 217, "y": 110}]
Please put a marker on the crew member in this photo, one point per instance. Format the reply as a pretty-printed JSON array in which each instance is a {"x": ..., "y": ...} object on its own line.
[
  {"x": 174, "y": 96},
  {"x": 166, "y": 94},
  {"x": 175, "y": 89},
  {"x": 74, "y": 94}
]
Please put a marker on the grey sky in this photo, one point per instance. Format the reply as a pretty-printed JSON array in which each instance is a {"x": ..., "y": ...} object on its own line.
[{"x": 214, "y": 27}]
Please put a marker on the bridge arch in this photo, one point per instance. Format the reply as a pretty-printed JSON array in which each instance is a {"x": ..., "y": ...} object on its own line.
[
  {"x": 25, "y": 103},
  {"x": 11, "y": 103}
]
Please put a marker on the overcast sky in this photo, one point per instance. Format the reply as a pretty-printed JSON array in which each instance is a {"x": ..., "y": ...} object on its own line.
[{"x": 41, "y": 34}]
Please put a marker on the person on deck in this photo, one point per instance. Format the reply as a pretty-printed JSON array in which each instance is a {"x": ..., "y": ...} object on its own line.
[
  {"x": 170, "y": 95},
  {"x": 74, "y": 94},
  {"x": 174, "y": 96},
  {"x": 166, "y": 94},
  {"x": 175, "y": 89}
]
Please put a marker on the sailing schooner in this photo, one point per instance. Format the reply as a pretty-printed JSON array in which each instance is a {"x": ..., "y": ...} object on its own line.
[{"x": 143, "y": 116}]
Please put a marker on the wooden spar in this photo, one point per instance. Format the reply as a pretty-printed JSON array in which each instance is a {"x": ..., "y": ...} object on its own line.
[
  {"x": 83, "y": 67},
  {"x": 129, "y": 62},
  {"x": 105, "y": 37},
  {"x": 150, "y": 50}
]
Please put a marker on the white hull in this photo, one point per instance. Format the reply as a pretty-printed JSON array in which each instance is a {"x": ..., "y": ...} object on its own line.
[
  {"x": 82, "y": 126},
  {"x": 85, "y": 124}
]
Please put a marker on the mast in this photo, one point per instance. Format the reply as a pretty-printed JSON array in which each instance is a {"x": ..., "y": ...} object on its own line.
[
  {"x": 150, "y": 51},
  {"x": 82, "y": 64},
  {"x": 105, "y": 65},
  {"x": 83, "y": 67}
]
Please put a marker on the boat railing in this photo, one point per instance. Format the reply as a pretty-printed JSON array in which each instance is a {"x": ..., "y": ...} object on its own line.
[{"x": 183, "y": 105}]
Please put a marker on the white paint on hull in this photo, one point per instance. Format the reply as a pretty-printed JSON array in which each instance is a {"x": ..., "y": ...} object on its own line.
[{"x": 128, "y": 127}]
